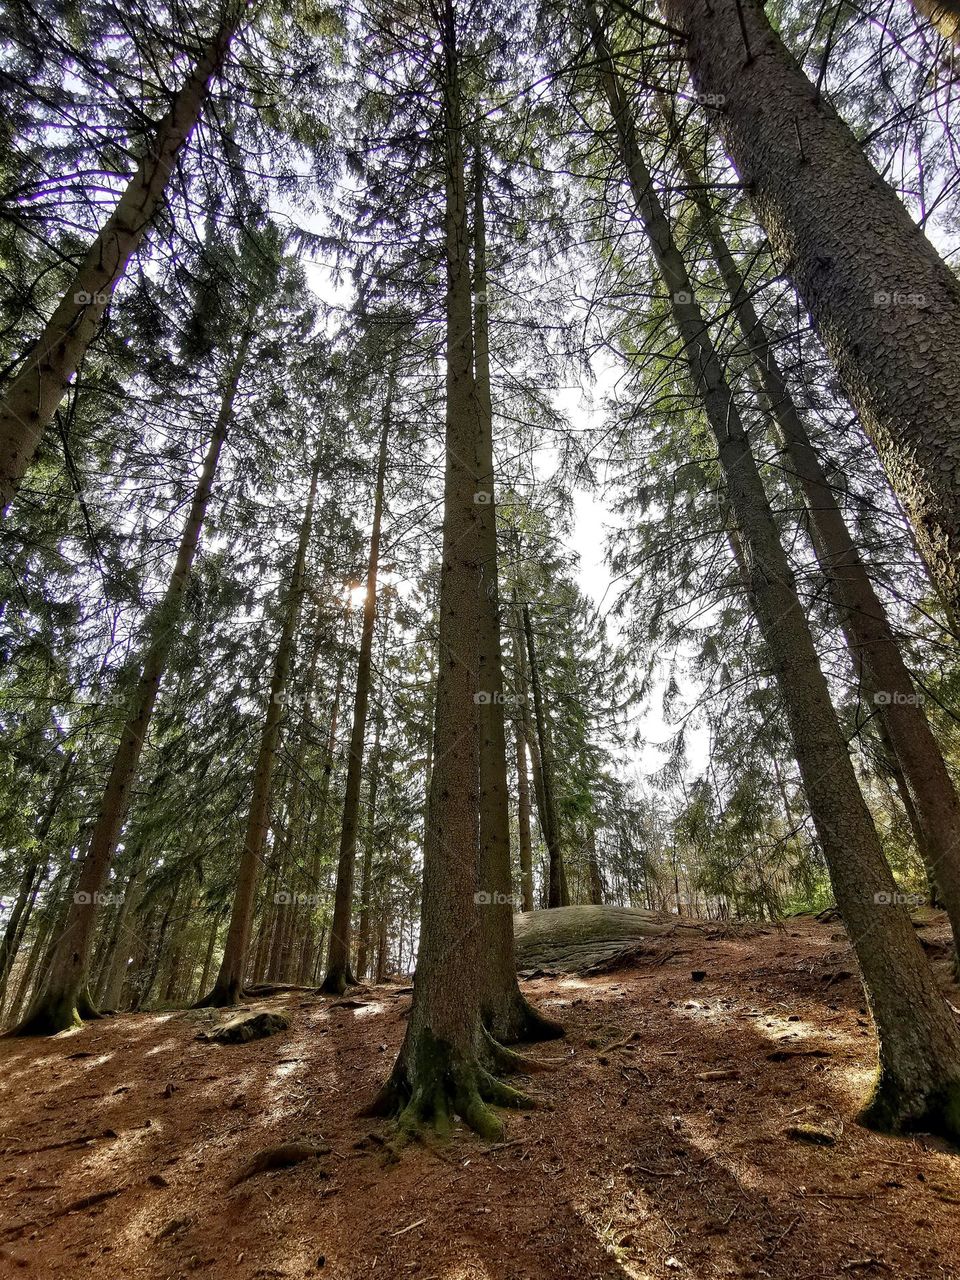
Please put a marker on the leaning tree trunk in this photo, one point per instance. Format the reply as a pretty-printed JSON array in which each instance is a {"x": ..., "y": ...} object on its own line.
[
  {"x": 918, "y": 1081},
  {"x": 944, "y": 15},
  {"x": 885, "y": 304},
  {"x": 228, "y": 987},
  {"x": 62, "y": 1000},
  {"x": 870, "y": 637},
  {"x": 339, "y": 976},
  {"x": 440, "y": 1069},
  {"x": 507, "y": 1014},
  {"x": 556, "y": 896},
  {"x": 31, "y": 399}
]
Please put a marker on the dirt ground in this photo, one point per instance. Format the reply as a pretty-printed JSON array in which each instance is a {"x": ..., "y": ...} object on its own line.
[{"x": 118, "y": 1143}]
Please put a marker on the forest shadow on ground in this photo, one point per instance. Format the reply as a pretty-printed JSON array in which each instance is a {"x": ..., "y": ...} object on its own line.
[{"x": 660, "y": 1147}]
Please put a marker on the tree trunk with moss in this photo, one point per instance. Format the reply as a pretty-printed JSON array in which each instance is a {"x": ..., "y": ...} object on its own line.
[
  {"x": 444, "y": 1066},
  {"x": 886, "y": 306},
  {"x": 228, "y": 987},
  {"x": 32, "y": 397},
  {"x": 918, "y": 1077},
  {"x": 63, "y": 999}
]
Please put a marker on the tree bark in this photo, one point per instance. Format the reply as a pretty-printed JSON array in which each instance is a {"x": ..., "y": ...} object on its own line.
[
  {"x": 310, "y": 955},
  {"x": 366, "y": 878},
  {"x": 944, "y": 15},
  {"x": 886, "y": 306},
  {"x": 870, "y": 638},
  {"x": 228, "y": 987},
  {"x": 33, "y": 395},
  {"x": 918, "y": 1081},
  {"x": 507, "y": 1014},
  {"x": 440, "y": 1070},
  {"x": 523, "y": 819},
  {"x": 556, "y": 896},
  {"x": 63, "y": 999},
  {"x": 339, "y": 976}
]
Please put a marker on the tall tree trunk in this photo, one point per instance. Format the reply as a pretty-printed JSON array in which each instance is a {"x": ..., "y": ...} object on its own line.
[
  {"x": 918, "y": 1082},
  {"x": 440, "y": 1069},
  {"x": 339, "y": 976},
  {"x": 211, "y": 945},
  {"x": 366, "y": 877},
  {"x": 63, "y": 999},
  {"x": 33, "y": 875},
  {"x": 593, "y": 868},
  {"x": 311, "y": 947},
  {"x": 886, "y": 306},
  {"x": 32, "y": 397},
  {"x": 523, "y": 819},
  {"x": 556, "y": 896},
  {"x": 115, "y": 965},
  {"x": 870, "y": 637},
  {"x": 228, "y": 986},
  {"x": 507, "y": 1014}
]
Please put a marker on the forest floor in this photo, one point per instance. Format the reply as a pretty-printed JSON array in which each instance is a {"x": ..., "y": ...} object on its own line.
[{"x": 662, "y": 1146}]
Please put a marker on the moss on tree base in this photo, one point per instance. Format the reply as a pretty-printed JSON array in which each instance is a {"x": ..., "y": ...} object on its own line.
[
  {"x": 53, "y": 1013},
  {"x": 440, "y": 1085},
  {"x": 336, "y": 982}
]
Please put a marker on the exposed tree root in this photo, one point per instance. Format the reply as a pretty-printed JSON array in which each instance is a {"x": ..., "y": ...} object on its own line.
[
  {"x": 337, "y": 980},
  {"x": 442, "y": 1085},
  {"x": 499, "y": 1059},
  {"x": 516, "y": 1021},
  {"x": 87, "y": 1010},
  {"x": 223, "y": 996},
  {"x": 52, "y": 1013}
]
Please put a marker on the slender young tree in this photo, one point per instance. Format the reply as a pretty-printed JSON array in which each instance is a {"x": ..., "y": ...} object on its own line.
[
  {"x": 885, "y": 304},
  {"x": 918, "y": 1081},
  {"x": 556, "y": 896},
  {"x": 228, "y": 986},
  {"x": 339, "y": 975},
  {"x": 63, "y": 1000},
  {"x": 32, "y": 396}
]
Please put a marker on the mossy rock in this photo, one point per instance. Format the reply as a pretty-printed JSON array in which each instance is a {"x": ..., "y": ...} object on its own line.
[
  {"x": 255, "y": 1024},
  {"x": 590, "y": 938}
]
